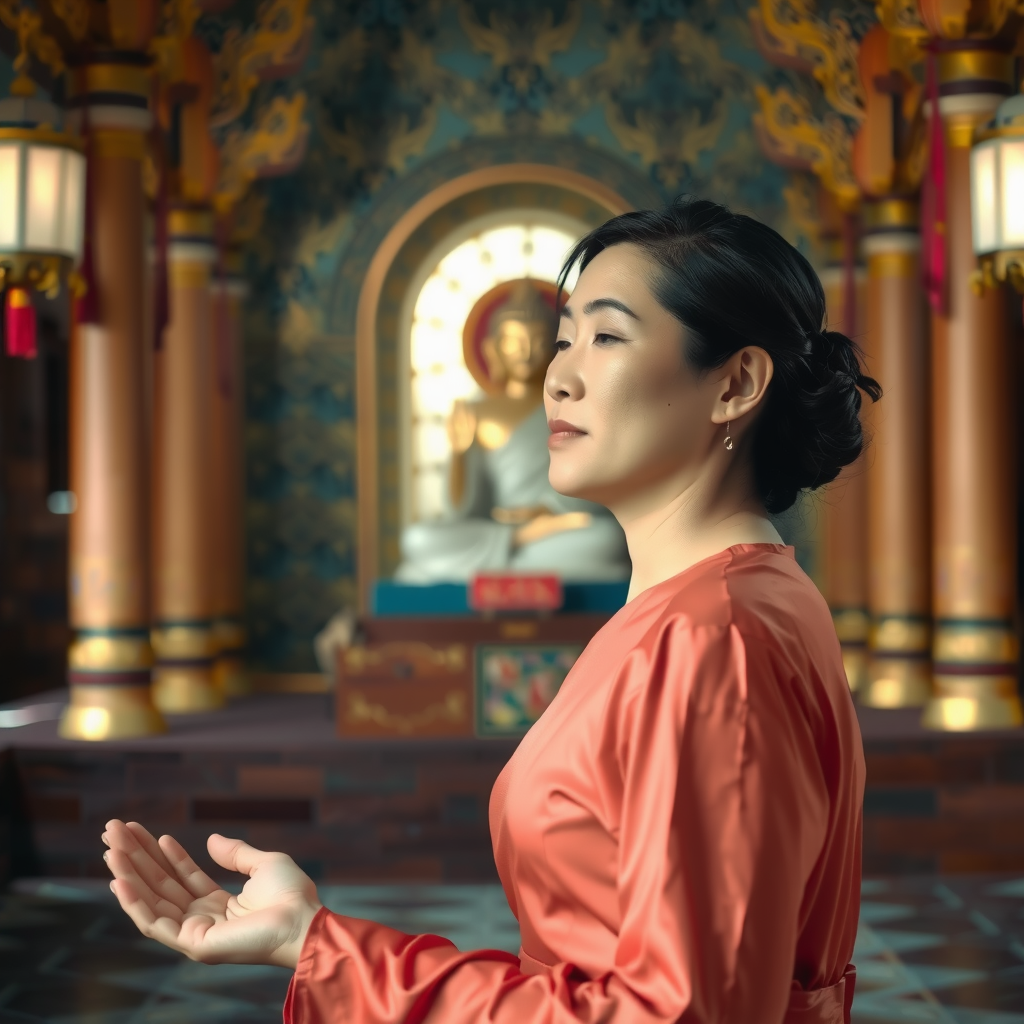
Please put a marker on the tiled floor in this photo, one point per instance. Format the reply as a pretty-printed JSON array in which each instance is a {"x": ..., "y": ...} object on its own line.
[{"x": 949, "y": 952}]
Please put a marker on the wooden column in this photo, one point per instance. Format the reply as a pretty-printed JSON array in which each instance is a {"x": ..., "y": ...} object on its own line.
[
  {"x": 899, "y": 551},
  {"x": 109, "y": 560},
  {"x": 973, "y": 430},
  {"x": 183, "y": 636},
  {"x": 844, "y": 513},
  {"x": 227, "y": 481}
]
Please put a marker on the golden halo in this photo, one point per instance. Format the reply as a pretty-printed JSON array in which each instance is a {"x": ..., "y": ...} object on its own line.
[{"x": 478, "y": 325}]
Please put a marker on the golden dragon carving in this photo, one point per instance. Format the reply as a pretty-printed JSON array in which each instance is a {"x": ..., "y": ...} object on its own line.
[
  {"x": 274, "y": 145},
  {"x": 800, "y": 140},
  {"x": 791, "y": 30},
  {"x": 274, "y": 47},
  {"x": 27, "y": 24}
]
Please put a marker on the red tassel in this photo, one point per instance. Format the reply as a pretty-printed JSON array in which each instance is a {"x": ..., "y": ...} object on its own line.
[
  {"x": 933, "y": 202},
  {"x": 20, "y": 324}
]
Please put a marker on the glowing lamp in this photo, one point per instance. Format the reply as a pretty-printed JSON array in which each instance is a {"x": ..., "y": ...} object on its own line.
[
  {"x": 997, "y": 197},
  {"x": 42, "y": 211}
]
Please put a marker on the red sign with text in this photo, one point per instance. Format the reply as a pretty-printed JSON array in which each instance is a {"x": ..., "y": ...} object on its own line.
[{"x": 507, "y": 592}]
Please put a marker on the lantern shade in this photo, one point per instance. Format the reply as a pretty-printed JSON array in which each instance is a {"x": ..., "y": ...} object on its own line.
[
  {"x": 42, "y": 201},
  {"x": 1011, "y": 183},
  {"x": 984, "y": 198},
  {"x": 997, "y": 182}
]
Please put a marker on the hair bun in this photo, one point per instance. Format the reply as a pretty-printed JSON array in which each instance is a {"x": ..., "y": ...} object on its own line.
[{"x": 821, "y": 430}]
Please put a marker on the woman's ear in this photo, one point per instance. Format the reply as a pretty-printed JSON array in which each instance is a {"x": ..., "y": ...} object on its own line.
[{"x": 744, "y": 383}]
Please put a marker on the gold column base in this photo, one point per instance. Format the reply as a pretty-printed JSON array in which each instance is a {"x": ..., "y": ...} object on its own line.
[
  {"x": 186, "y": 689},
  {"x": 230, "y": 676},
  {"x": 110, "y": 712},
  {"x": 971, "y": 703},
  {"x": 229, "y": 668},
  {"x": 183, "y": 677},
  {"x": 895, "y": 682},
  {"x": 855, "y": 662},
  {"x": 852, "y": 629},
  {"x": 109, "y": 677}
]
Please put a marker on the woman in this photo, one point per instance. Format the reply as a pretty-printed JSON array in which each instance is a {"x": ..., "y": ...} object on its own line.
[{"x": 679, "y": 834}]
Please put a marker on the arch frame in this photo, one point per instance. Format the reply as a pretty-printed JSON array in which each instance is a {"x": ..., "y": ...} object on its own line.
[{"x": 367, "y": 318}]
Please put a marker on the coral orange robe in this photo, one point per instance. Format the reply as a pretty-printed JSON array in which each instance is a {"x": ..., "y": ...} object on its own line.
[{"x": 679, "y": 834}]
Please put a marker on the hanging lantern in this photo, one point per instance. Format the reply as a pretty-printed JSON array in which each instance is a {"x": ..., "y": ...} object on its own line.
[
  {"x": 42, "y": 211},
  {"x": 997, "y": 197}
]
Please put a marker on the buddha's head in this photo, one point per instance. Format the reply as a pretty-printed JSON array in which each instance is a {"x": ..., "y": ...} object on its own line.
[{"x": 518, "y": 347}]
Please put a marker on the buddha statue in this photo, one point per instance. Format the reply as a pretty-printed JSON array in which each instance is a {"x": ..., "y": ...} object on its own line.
[{"x": 502, "y": 513}]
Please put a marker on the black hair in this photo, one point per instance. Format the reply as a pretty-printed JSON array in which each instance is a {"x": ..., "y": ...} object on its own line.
[{"x": 732, "y": 281}]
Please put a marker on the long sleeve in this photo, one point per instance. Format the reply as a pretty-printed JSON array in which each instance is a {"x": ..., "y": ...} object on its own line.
[{"x": 711, "y": 781}]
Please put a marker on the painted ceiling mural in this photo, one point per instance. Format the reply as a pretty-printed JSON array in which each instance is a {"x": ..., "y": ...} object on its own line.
[{"x": 399, "y": 95}]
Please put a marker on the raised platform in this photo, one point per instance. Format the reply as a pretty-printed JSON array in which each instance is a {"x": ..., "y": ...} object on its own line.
[{"x": 271, "y": 769}]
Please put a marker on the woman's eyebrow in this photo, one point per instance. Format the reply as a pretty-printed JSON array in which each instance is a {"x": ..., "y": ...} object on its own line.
[{"x": 596, "y": 304}]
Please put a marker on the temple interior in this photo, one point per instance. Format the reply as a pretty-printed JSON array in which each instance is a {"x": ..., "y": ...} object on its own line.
[{"x": 279, "y": 557}]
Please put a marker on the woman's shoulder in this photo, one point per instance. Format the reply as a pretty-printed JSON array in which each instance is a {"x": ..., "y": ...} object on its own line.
[
  {"x": 748, "y": 597},
  {"x": 740, "y": 586}
]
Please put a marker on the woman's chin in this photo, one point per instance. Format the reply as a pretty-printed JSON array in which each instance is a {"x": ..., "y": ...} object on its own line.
[{"x": 571, "y": 485}]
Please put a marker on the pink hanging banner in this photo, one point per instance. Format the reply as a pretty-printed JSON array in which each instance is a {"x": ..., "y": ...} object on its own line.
[{"x": 933, "y": 202}]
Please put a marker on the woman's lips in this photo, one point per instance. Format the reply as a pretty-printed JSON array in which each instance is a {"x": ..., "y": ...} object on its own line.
[{"x": 562, "y": 432}]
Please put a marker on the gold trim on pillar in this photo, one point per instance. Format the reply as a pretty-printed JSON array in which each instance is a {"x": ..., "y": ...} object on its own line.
[
  {"x": 110, "y": 699},
  {"x": 183, "y": 680},
  {"x": 229, "y": 673},
  {"x": 900, "y": 668},
  {"x": 964, "y": 703},
  {"x": 852, "y": 629},
  {"x": 959, "y": 641}
]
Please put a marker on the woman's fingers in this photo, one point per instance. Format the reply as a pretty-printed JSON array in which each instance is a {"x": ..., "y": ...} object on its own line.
[
  {"x": 191, "y": 876},
  {"x": 145, "y": 839},
  {"x": 156, "y": 872},
  {"x": 151, "y": 924},
  {"x": 124, "y": 869}
]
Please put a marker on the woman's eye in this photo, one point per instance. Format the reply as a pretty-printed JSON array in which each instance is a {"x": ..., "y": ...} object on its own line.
[
  {"x": 561, "y": 345},
  {"x": 606, "y": 338}
]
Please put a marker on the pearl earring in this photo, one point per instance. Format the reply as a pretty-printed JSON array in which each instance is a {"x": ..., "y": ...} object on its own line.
[{"x": 728, "y": 436}]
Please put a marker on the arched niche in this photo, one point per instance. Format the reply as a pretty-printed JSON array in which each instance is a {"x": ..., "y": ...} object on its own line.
[{"x": 395, "y": 265}]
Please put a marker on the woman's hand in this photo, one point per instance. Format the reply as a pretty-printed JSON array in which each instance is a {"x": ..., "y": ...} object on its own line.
[{"x": 171, "y": 900}]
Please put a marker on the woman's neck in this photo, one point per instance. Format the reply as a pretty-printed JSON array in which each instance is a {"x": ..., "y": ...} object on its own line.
[{"x": 670, "y": 531}]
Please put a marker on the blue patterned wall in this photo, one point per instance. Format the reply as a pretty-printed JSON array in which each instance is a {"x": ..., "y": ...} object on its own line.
[{"x": 655, "y": 96}]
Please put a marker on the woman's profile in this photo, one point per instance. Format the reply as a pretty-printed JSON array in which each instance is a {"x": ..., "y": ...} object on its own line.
[{"x": 679, "y": 835}]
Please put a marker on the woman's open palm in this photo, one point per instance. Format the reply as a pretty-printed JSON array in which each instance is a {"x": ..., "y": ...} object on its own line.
[{"x": 170, "y": 899}]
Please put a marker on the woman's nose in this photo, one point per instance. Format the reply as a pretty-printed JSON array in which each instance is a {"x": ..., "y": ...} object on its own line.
[{"x": 563, "y": 380}]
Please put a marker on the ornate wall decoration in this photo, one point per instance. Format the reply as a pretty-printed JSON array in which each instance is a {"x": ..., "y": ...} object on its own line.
[
  {"x": 826, "y": 46},
  {"x": 274, "y": 47},
  {"x": 274, "y": 145},
  {"x": 798, "y": 139}
]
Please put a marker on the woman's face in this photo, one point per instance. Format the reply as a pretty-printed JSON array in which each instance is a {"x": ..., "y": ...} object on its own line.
[{"x": 619, "y": 375}]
